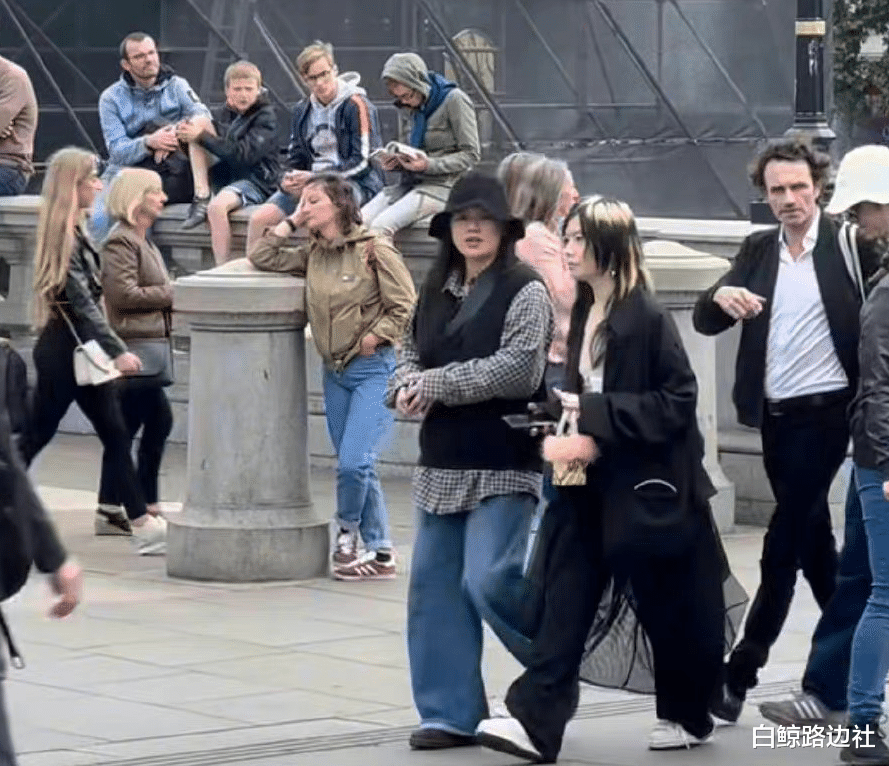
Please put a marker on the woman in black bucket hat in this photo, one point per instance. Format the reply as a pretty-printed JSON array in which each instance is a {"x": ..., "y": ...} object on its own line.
[{"x": 475, "y": 351}]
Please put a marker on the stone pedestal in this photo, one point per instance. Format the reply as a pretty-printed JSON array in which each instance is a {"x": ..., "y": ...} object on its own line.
[
  {"x": 248, "y": 512},
  {"x": 680, "y": 274},
  {"x": 18, "y": 229}
]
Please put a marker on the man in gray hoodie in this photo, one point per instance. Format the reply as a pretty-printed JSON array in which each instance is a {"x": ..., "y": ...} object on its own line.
[
  {"x": 444, "y": 136},
  {"x": 335, "y": 129}
]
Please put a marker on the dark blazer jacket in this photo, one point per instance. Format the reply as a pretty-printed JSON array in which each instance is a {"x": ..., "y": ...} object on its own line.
[
  {"x": 756, "y": 268},
  {"x": 644, "y": 421}
]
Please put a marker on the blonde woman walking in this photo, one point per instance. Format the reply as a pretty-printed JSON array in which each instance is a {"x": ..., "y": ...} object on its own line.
[{"x": 67, "y": 287}]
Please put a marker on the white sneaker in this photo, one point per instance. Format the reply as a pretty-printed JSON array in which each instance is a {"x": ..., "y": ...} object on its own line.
[
  {"x": 150, "y": 538},
  {"x": 668, "y": 735},
  {"x": 507, "y": 735}
]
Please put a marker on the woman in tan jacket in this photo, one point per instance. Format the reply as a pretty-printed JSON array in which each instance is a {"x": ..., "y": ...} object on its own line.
[
  {"x": 359, "y": 297},
  {"x": 138, "y": 298}
]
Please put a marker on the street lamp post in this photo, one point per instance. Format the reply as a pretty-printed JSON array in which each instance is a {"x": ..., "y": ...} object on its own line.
[{"x": 810, "y": 119}]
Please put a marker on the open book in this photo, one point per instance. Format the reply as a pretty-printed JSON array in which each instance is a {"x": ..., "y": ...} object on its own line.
[{"x": 396, "y": 149}]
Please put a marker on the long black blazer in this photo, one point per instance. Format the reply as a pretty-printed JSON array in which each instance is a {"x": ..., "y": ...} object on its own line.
[
  {"x": 644, "y": 421},
  {"x": 756, "y": 268}
]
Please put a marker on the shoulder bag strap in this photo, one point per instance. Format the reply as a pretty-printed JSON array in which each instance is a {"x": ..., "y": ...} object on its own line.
[
  {"x": 69, "y": 323},
  {"x": 849, "y": 249}
]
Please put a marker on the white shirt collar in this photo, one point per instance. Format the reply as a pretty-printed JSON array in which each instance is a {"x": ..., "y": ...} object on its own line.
[{"x": 809, "y": 239}]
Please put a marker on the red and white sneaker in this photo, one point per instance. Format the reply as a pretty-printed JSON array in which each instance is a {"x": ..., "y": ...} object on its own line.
[{"x": 366, "y": 567}]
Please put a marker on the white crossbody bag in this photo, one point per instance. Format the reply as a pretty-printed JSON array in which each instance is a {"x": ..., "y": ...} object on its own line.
[{"x": 92, "y": 366}]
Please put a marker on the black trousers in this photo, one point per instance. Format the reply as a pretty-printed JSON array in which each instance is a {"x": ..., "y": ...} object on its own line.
[
  {"x": 679, "y": 603},
  {"x": 56, "y": 389},
  {"x": 146, "y": 408},
  {"x": 802, "y": 452}
]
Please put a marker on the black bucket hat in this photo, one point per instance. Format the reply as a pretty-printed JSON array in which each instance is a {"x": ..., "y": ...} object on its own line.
[{"x": 478, "y": 190}]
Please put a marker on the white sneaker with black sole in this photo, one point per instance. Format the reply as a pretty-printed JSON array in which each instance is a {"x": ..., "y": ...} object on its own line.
[{"x": 507, "y": 735}]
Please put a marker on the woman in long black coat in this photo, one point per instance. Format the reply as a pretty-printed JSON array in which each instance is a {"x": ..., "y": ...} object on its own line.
[{"x": 640, "y": 531}]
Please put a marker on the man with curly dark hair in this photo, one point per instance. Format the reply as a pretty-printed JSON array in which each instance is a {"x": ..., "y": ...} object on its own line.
[{"x": 797, "y": 368}]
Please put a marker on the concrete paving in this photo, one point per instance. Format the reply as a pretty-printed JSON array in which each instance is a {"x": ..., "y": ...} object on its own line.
[{"x": 152, "y": 671}]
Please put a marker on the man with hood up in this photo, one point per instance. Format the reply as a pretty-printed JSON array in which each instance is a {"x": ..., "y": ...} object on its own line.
[
  {"x": 335, "y": 130},
  {"x": 139, "y": 114},
  {"x": 445, "y": 131}
]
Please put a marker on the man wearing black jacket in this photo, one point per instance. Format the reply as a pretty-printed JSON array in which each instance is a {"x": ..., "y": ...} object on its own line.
[
  {"x": 862, "y": 190},
  {"x": 796, "y": 372},
  {"x": 243, "y": 143},
  {"x": 37, "y": 536}
]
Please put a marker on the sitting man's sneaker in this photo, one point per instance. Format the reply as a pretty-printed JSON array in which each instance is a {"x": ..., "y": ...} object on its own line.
[
  {"x": 428, "y": 738},
  {"x": 507, "y": 735},
  {"x": 803, "y": 710},
  {"x": 866, "y": 746},
  {"x": 111, "y": 520},
  {"x": 197, "y": 213},
  {"x": 726, "y": 709},
  {"x": 669, "y": 735},
  {"x": 368, "y": 566}
]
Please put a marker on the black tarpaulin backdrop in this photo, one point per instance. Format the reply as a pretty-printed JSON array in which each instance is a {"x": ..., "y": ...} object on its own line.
[{"x": 659, "y": 102}]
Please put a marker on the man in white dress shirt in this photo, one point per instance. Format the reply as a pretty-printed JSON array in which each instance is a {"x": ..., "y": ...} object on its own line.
[{"x": 796, "y": 372}]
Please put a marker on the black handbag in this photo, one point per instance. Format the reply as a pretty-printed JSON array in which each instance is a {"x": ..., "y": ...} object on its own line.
[{"x": 156, "y": 355}]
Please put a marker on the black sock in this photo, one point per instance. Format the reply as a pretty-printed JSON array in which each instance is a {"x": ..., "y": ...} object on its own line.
[{"x": 384, "y": 556}]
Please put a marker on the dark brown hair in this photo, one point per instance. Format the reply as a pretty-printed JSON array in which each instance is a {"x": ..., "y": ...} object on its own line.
[
  {"x": 342, "y": 195},
  {"x": 791, "y": 150}
]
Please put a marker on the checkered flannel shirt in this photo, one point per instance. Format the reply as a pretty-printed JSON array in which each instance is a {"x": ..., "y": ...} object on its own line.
[{"x": 513, "y": 371}]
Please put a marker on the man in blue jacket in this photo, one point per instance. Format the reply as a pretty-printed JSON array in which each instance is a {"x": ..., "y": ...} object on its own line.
[
  {"x": 335, "y": 129},
  {"x": 139, "y": 115}
]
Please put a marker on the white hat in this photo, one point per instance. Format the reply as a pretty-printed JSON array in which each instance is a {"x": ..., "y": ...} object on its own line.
[{"x": 863, "y": 177}]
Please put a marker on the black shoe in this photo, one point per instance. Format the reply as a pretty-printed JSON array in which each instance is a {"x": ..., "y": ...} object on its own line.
[
  {"x": 866, "y": 746},
  {"x": 197, "y": 213},
  {"x": 427, "y": 738},
  {"x": 727, "y": 707}
]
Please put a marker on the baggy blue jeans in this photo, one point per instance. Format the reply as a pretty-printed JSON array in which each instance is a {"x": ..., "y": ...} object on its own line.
[
  {"x": 827, "y": 669},
  {"x": 466, "y": 567},
  {"x": 358, "y": 422},
  {"x": 870, "y": 647}
]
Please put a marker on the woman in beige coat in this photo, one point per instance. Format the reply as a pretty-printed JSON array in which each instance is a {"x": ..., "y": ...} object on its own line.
[
  {"x": 359, "y": 298},
  {"x": 138, "y": 299}
]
